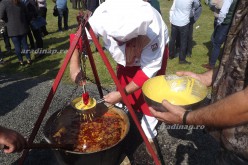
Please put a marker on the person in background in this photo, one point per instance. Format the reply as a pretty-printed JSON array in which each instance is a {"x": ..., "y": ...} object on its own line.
[
  {"x": 63, "y": 14},
  {"x": 155, "y": 4},
  {"x": 11, "y": 141},
  {"x": 180, "y": 21},
  {"x": 5, "y": 34},
  {"x": 136, "y": 40},
  {"x": 32, "y": 13},
  {"x": 91, "y": 5},
  {"x": 6, "y": 40},
  {"x": 17, "y": 26},
  {"x": 77, "y": 4},
  {"x": 1, "y": 57},
  {"x": 222, "y": 24},
  {"x": 194, "y": 16},
  {"x": 42, "y": 9},
  {"x": 227, "y": 115}
]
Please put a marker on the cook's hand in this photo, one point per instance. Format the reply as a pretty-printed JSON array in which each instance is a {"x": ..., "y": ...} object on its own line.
[
  {"x": 13, "y": 141},
  {"x": 205, "y": 78},
  {"x": 112, "y": 97},
  {"x": 173, "y": 116},
  {"x": 190, "y": 74}
]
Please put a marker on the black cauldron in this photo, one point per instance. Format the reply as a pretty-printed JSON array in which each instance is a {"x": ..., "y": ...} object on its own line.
[{"x": 108, "y": 156}]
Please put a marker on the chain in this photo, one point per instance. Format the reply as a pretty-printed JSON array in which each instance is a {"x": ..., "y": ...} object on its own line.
[
  {"x": 84, "y": 77},
  {"x": 83, "y": 65}
]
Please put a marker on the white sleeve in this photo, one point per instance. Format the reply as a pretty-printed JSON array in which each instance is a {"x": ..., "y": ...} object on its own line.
[
  {"x": 152, "y": 54},
  {"x": 172, "y": 9},
  {"x": 224, "y": 10}
]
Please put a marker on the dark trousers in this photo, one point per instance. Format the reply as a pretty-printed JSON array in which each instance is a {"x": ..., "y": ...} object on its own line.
[
  {"x": 183, "y": 33},
  {"x": 190, "y": 40},
  {"x": 19, "y": 43},
  {"x": 63, "y": 13},
  {"x": 6, "y": 39},
  {"x": 38, "y": 38},
  {"x": 77, "y": 4},
  {"x": 91, "y": 5},
  {"x": 43, "y": 13},
  {"x": 218, "y": 38}
]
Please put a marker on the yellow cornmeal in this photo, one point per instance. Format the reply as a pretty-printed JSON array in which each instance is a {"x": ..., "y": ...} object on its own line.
[
  {"x": 176, "y": 91},
  {"x": 81, "y": 106}
]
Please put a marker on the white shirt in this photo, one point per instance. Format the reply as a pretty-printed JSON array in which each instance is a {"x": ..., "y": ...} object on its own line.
[
  {"x": 41, "y": 3},
  {"x": 180, "y": 12},
  {"x": 151, "y": 58}
]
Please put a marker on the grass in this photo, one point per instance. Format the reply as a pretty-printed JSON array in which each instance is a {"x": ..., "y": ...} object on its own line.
[{"x": 50, "y": 64}]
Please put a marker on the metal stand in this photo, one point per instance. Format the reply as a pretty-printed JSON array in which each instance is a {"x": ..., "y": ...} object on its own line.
[{"x": 59, "y": 77}]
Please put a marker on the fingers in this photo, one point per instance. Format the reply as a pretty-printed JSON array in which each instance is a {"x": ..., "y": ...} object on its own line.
[
  {"x": 162, "y": 116},
  {"x": 112, "y": 97},
  {"x": 9, "y": 148},
  {"x": 13, "y": 141},
  {"x": 174, "y": 109},
  {"x": 167, "y": 105},
  {"x": 173, "y": 115},
  {"x": 184, "y": 73}
]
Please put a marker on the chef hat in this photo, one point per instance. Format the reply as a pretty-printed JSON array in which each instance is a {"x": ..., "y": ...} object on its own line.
[{"x": 126, "y": 19}]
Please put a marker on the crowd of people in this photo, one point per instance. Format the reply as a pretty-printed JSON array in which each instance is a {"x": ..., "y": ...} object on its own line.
[
  {"x": 17, "y": 17},
  {"x": 138, "y": 43}
]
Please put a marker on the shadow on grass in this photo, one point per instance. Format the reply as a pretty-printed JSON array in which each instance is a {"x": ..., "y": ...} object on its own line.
[
  {"x": 208, "y": 45},
  {"x": 71, "y": 28}
]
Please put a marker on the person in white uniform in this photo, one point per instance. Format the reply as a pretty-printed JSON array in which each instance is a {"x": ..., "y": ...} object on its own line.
[{"x": 136, "y": 36}]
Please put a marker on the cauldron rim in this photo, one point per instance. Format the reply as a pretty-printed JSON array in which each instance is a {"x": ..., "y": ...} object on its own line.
[{"x": 52, "y": 117}]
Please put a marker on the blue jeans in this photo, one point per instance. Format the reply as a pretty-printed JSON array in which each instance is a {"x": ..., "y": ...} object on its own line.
[
  {"x": 63, "y": 13},
  {"x": 218, "y": 38},
  {"x": 19, "y": 43},
  {"x": 183, "y": 33}
]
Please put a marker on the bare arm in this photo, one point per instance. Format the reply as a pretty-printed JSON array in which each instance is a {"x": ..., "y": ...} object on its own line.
[
  {"x": 75, "y": 68},
  {"x": 115, "y": 96},
  {"x": 230, "y": 111}
]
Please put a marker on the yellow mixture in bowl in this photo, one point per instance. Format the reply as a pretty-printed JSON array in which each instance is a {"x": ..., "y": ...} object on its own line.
[
  {"x": 177, "y": 90},
  {"x": 79, "y": 104}
]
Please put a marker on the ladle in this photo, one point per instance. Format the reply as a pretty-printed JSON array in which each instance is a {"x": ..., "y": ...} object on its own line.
[{"x": 90, "y": 113}]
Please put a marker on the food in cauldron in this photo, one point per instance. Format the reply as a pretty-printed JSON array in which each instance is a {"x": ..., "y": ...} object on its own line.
[{"x": 92, "y": 136}]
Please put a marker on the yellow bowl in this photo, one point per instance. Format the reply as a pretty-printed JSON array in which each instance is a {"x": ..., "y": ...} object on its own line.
[
  {"x": 78, "y": 104},
  {"x": 183, "y": 91}
]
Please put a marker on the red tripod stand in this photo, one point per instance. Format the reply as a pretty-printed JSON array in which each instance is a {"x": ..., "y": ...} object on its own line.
[{"x": 81, "y": 32}]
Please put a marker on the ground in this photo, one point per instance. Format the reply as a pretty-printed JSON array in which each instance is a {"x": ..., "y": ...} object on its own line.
[{"x": 22, "y": 98}]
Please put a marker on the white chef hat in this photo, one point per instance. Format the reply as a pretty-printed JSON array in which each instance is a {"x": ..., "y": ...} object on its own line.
[{"x": 126, "y": 19}]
